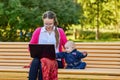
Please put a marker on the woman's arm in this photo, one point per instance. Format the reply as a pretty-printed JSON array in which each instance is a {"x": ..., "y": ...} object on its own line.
[
  {"x": 63, "y": 39},
  {"x": 35, "y": 36}
]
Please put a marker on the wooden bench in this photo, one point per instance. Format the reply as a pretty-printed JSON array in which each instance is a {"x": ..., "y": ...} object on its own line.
[{"x": 103, "y": 62}]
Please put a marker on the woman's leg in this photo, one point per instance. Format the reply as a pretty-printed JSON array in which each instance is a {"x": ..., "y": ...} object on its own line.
[
  {"x": 49, "y": 69},
  {"x": 54, "y": 71},
  {"x": 34, "y": 68},
  {"x": 40, "y": 73},
  {"x": 60, "y": 64}
]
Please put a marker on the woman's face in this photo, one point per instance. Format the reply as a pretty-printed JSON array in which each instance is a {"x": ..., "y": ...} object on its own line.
[{"x": 48, "y": 23}]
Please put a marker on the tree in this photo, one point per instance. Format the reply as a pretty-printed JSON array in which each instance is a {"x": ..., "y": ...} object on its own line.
[
  {"x": 100, "y": 14},
  {"x": 26, "y": 14}
]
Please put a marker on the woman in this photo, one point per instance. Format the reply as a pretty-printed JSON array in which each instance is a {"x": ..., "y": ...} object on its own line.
[{"x": 45, "y": 68}]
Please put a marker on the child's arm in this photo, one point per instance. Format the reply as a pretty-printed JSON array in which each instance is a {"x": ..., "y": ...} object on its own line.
[
  {"x": 82, "y": 54},
  {"x": 60, "y": 55}
]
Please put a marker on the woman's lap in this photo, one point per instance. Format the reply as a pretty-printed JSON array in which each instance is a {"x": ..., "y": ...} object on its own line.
[{"x": 35, "y": 69}]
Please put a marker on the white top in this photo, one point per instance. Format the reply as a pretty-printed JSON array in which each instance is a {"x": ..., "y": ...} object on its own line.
[{"x": 47, "y": 38}]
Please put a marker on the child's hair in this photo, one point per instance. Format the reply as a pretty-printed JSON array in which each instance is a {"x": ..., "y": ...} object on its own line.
[
  {"x": 52, "y": 15},
  {"x": 71, "y": 44}
]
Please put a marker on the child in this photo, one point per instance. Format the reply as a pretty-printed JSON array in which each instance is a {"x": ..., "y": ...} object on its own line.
[{"x": 72, "y": 56}]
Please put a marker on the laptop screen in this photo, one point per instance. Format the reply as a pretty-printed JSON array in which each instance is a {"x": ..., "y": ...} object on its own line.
[{"x": 42, "y": 50}]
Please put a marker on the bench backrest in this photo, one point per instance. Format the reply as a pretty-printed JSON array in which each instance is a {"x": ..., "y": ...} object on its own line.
[{"x": 100, "y": 55}]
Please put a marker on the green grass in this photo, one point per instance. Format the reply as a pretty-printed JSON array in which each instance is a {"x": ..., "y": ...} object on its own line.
[
  {"x": 89, "y": 36},
  {"x": 70, "y": 37}
]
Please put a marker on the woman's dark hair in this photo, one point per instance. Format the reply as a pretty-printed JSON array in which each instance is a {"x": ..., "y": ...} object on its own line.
[{"x": 52, "y": 15}]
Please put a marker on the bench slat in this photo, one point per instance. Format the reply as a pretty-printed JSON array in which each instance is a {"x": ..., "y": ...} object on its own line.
[
  {"x": 104, "y": 66},
  {"x": 14, "y": 54},
  {"x": 95, "y": 77},
  {"x": 15, "y": 61},
  {"x": 91, "y": 71},
  {"x": 103, "y": 62},
  {"x": 13, "y": 64},
  {"x": 97, "y": 44},
  {"x": 98, "y": 47}
]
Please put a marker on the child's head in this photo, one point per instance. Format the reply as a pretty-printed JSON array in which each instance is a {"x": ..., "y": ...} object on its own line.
[{"x": 69, "y": 46}]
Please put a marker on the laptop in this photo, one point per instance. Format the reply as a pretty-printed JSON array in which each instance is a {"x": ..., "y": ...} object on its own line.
[{"x": 42, "y": 50}]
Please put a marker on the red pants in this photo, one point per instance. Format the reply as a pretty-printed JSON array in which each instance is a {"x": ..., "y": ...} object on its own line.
[{"x": 49, "y": 69}]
